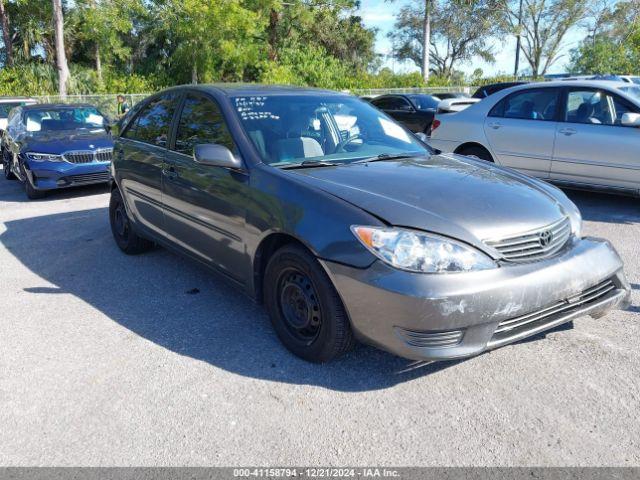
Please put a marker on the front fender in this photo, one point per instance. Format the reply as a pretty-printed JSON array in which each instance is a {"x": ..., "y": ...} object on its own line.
[{"x": 319, "y": 220}]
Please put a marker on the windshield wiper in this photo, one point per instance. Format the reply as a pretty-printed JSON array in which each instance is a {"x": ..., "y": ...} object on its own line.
[
  {"x": 386, "y": 156},
  {"x": 308, "y": 164}
]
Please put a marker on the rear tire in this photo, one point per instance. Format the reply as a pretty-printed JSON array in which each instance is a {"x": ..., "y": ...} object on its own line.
[
  {"x": 305, "y": 309},
  {"x": 128, "y": 241},
  {"x": 476, "y": 151}
]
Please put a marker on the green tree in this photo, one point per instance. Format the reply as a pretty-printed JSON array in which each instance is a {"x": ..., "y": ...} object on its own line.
[
  {"x": 302, "y": 23},
  {"x": 460, "y": 30},
  {"x": 614, "y": 43},
  {"x": 99, "y": 28},
  {"x": 32, "y": 30},
  {"x": 545, "y": 24},
  {"x": 6, "y": 34},
  {"x": 210, "y": 39}
]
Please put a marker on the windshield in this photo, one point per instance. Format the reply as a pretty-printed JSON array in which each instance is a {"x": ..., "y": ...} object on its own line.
[
  {"x": 63, "y": 118},
  {"x": 424, "y": 102},
  {"x": 633, "y": 91},
  {"x": 289, "y": 129}
]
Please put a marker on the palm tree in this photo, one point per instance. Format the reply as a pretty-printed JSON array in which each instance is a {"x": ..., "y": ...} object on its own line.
[
  {"x": 61, "y": 56},
  {"x": 6, "y": 33},
  {"x": 426, "y": 39}
]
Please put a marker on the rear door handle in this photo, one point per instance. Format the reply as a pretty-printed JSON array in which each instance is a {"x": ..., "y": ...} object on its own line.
[
  {"x": 170, "y": 173},
  {"x": 568, "y": 131},
  {"x": 495, "y": 125}
]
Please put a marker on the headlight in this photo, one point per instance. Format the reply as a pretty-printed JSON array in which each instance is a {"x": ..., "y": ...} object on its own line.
[
  {"x": 421, "y": 252},
  {"x": 44, "y": 157},
  {"x": 576, "y": 221}
]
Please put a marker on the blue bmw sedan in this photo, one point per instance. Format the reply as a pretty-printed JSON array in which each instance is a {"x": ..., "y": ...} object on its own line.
[{"x": 49, "y": 147}]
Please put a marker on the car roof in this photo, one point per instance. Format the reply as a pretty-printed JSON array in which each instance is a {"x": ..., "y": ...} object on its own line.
[
  {"x": 51, "y": 106},
  {"x": 16, "y": 99},
  {"x": 234, "y": 89},
  {"x": 607, "y": 84},
  {"x": 499, "y": 84}
]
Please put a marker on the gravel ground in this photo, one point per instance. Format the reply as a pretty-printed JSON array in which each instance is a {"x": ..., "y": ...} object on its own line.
[{"x": 113, "y": 360}]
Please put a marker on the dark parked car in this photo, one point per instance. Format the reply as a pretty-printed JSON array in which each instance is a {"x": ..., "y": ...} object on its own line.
[
  {"x": 449, "y": 95},
  {"x": 347, "y": 227},
  {"x": 415, "y": 111},
  {"x": 485, "y": 91},
  {"x": 49, "y": 147}
]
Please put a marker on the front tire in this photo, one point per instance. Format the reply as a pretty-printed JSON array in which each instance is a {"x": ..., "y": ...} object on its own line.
[
  {"x": 6, "y": 167},
  {"x": 32, "y": 193},
  {"x": 305, "y": 309},
  {"x": 128, "y": 241}
]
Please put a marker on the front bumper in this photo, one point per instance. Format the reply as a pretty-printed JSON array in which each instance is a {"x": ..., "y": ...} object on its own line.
[
  {"x": 54, "y": 175},
  {"x": 445, "y": 316}
]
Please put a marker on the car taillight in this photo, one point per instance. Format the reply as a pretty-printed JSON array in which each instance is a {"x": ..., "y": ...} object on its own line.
[{"x": 436, "y": 123}]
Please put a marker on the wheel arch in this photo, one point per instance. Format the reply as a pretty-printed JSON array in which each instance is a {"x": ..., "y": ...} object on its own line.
[
  {"x": 466, "y": 145},
  {"x": 269, "y": 245}
]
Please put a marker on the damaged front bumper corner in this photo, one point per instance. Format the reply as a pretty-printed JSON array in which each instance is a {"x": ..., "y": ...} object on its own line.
[{"x": 446, "y": 316}]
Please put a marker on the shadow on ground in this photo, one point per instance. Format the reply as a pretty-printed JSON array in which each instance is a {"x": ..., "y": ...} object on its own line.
[
  {"x": 188, "y": 310},
  {"x": 181, "y": 306},
  {"x": 601, "y": 207}
]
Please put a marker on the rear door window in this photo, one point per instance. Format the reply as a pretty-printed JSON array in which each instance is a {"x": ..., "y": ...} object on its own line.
[
  {"x": 382, "y": 103},
  {"x": 153, "y": 123},
  {"x": 535, "y": 104},
  {"x": 399, "y": 103}
]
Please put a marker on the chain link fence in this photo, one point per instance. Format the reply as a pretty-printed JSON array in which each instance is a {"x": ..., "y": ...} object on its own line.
[{"x": 106, "y": 103}]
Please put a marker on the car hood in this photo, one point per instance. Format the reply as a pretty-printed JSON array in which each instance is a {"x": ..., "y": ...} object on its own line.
[
  {"x": 64, "y": 141},
  {"x": 444, "y": 194}
]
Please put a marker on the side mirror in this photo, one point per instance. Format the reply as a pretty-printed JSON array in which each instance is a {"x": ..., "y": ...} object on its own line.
[
  {"x": 216, "y": 155},
  {"x": 108, "y": 124},
  {"x": 422, "y": 137},
  {"x": 631, "y": 120}
]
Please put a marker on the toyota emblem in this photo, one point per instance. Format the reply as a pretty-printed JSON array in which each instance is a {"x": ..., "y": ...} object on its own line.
[{"x": 545, "y": 238}]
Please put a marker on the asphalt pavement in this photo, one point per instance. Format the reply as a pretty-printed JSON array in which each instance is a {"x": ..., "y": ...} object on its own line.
[{"x": 112, "y": 360}]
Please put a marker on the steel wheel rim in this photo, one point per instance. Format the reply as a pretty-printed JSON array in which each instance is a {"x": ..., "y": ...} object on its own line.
[{"x": 299, "y": 305}]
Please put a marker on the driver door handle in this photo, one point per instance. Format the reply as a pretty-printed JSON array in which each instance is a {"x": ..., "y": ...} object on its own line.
[
  {"x": 495, "y": 125},
  {"x": 568, "y": 131}
]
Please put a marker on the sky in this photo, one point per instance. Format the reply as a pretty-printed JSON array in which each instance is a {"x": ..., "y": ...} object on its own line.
[{"x": 380, "y": 14}]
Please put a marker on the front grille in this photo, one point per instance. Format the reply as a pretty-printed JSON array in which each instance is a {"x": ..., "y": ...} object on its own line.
[
  {"x": 535, "y": 245},
  {"x": 553, "y": 311},
  {"x": 104, "y": 155},
  {"x": 89, "y": 156},
  {"x": 79, "y": 157},
  {"x": 414, "y": 338},
  {"x": 88, "y": 178}
]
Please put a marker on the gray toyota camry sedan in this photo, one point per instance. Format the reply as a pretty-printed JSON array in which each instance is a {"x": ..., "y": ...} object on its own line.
[{"x": 347, "y": 227}]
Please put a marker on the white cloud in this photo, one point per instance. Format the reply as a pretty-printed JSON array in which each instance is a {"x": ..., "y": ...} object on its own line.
[{"x": 376, "y": 17}]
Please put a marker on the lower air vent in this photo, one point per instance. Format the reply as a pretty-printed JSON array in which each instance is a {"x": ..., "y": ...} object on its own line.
[
  {"x": 414, "y": 338},
  {"x": 554, "y": 311},
  {"x": 88, "y": 178}
]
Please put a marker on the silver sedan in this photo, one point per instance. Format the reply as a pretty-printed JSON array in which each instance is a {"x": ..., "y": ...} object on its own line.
[{"x": 581, "y": 133}]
